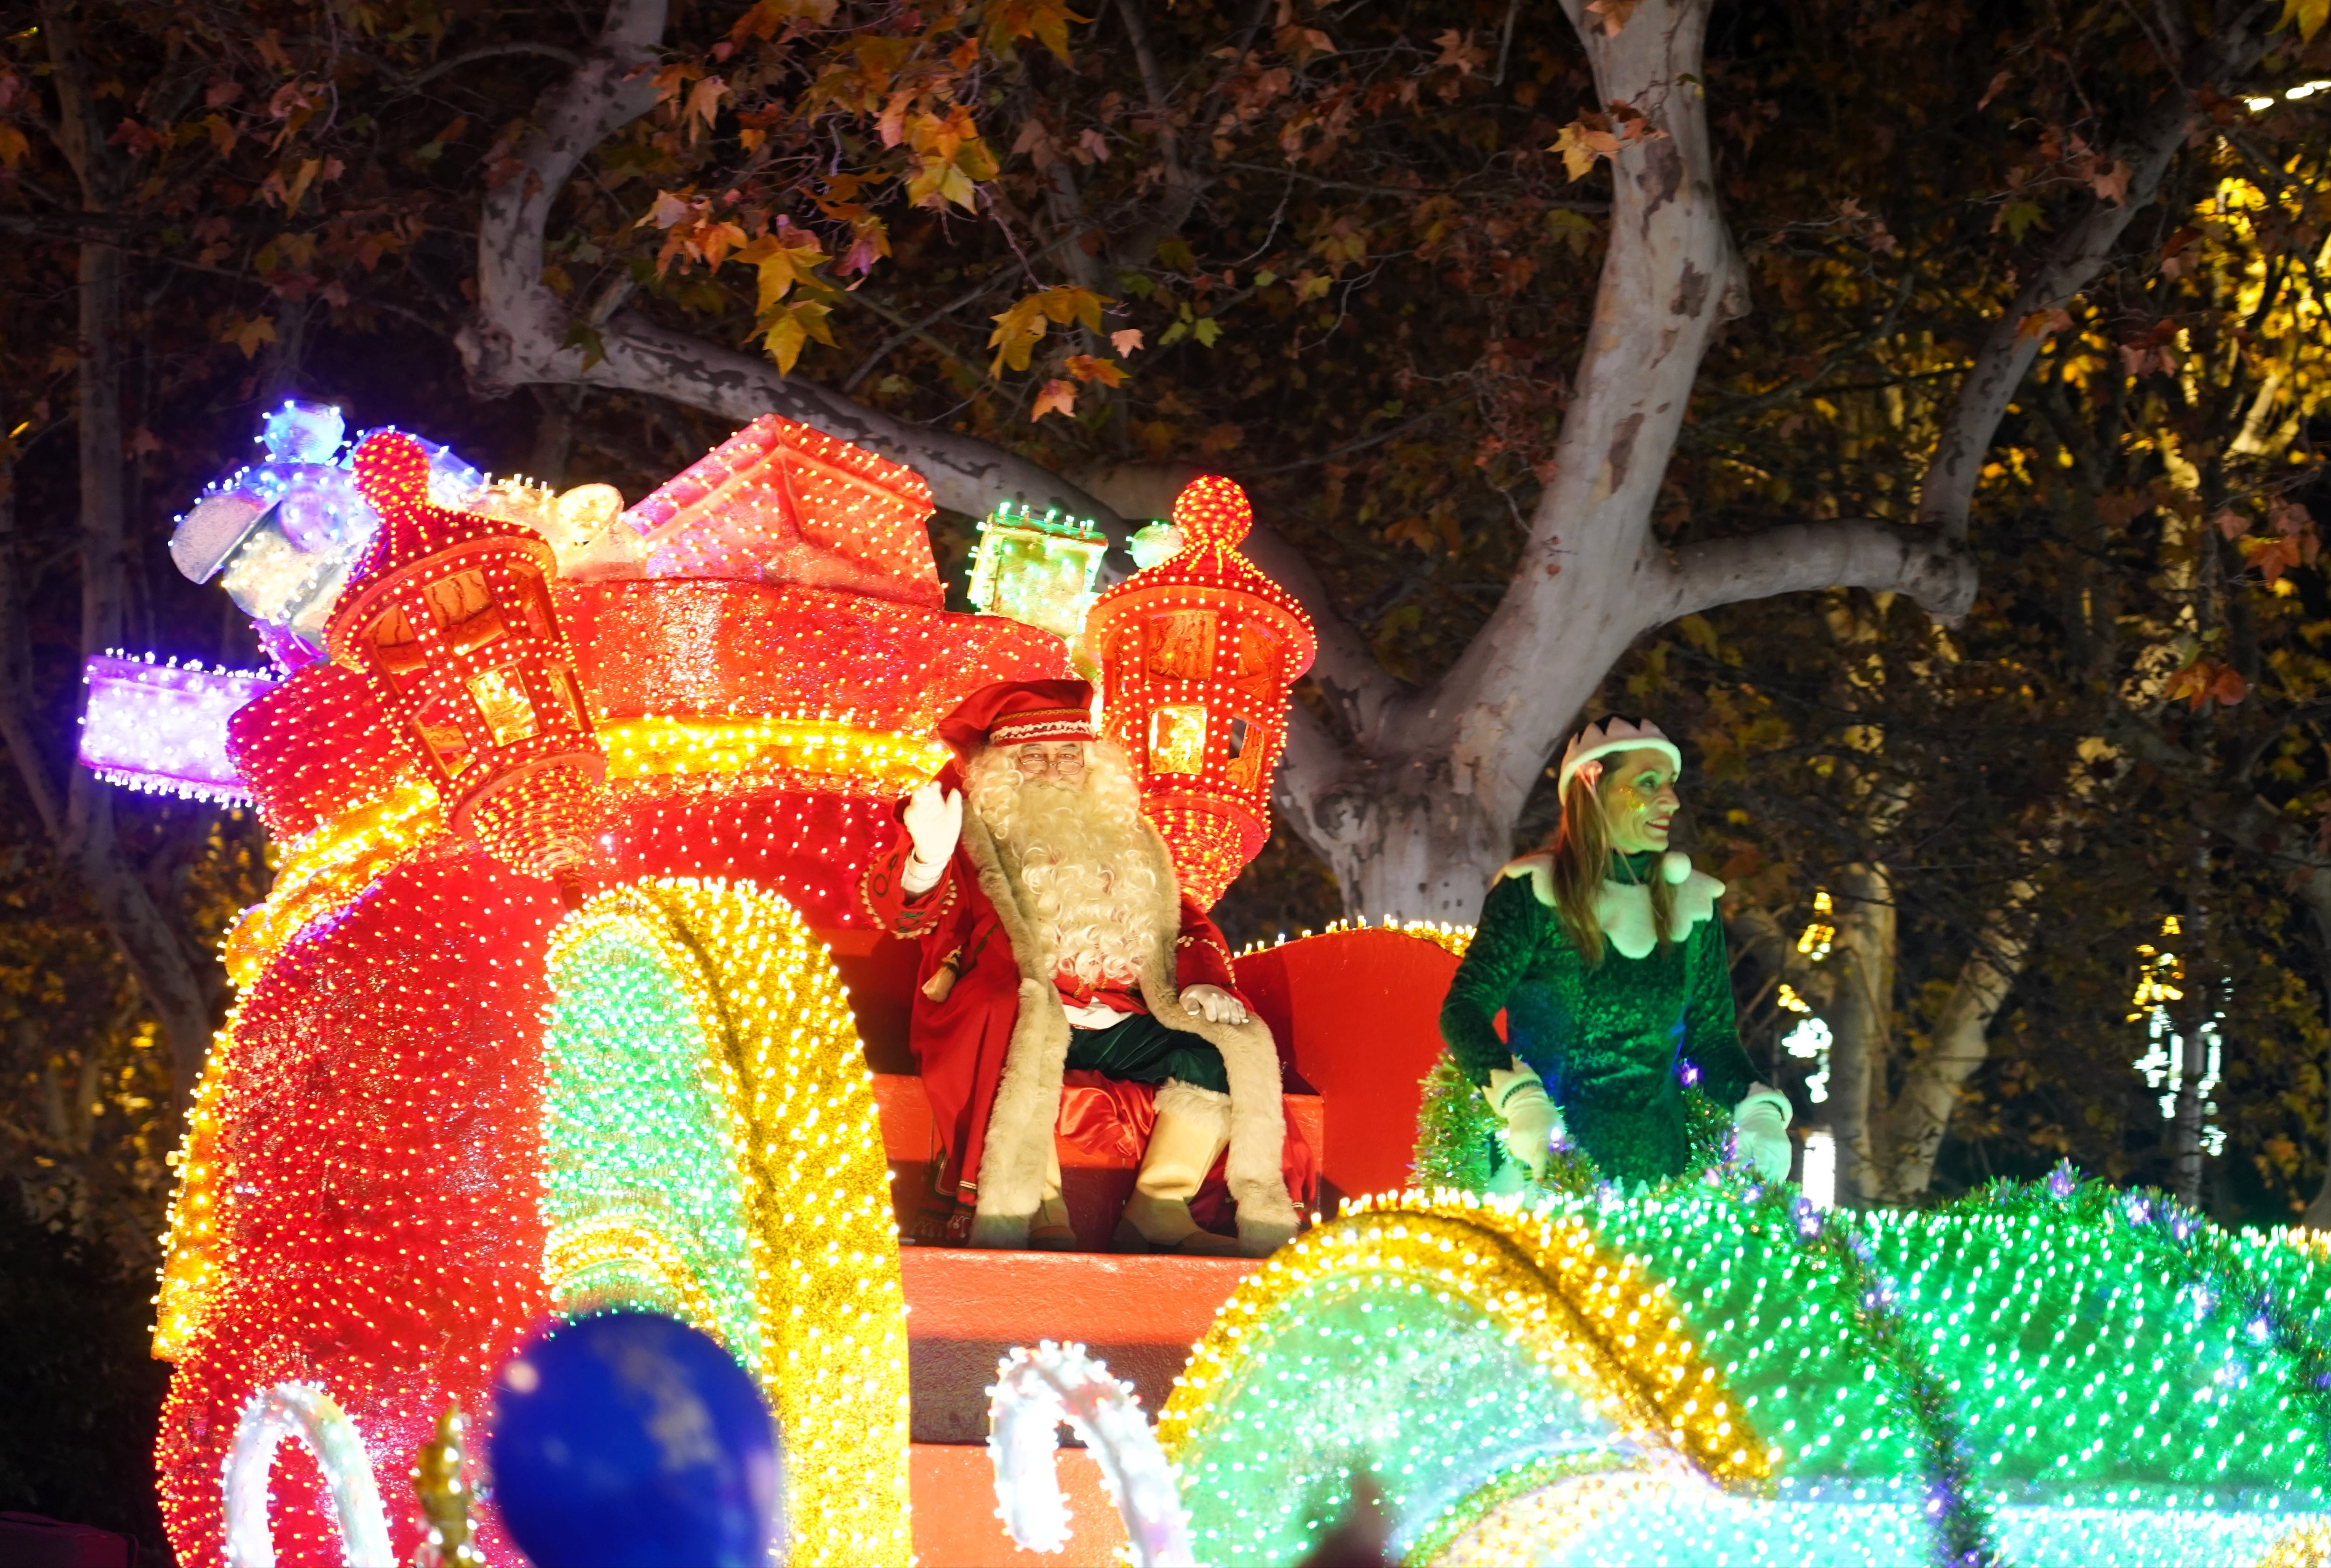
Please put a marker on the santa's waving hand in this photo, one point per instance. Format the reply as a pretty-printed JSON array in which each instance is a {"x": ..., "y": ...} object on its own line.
[{"x": 1055, "y": 936}]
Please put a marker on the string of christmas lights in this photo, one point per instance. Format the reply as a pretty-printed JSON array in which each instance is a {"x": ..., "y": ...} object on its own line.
[
  {"x": 1036, "y": 1392},
  {"x": 712, "y": 1150}
]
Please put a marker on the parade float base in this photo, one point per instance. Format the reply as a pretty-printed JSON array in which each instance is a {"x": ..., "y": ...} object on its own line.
[{"x": 967, "y": 1307}]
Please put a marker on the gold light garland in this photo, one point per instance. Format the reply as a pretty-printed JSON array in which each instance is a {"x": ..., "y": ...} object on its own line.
[
  {"x": 322, "y": 872},
  {"x": 191, "y": 1267},
  {"x": 1592, "y": 1318},
  {"x": 801, "y": 750}
]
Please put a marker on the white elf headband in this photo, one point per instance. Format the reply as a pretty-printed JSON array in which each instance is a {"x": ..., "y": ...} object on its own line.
[{"x": 1596, "y": 741}]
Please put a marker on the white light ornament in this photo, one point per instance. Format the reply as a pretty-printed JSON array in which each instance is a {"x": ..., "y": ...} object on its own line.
[
  {"x": 1809, "y": 1039},
  {"x": 1034, "y": 1392},
  {"x": 161, "y": 727},
  {"x": 307, "y": 1411},
  {"x": 2161, "y": 980}
]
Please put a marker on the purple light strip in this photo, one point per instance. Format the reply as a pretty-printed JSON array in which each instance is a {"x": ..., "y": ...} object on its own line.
[{"x": 162, "y": 726}]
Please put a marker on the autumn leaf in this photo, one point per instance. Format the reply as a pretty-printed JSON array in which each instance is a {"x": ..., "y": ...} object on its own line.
[
  {"x": 247, "y": 333},
  {"x": 785, "y": 334},
  {"x": 1020, "y": 328},
  {"x": 1127, "y": 341},
  {"x": 703, "y": 106},
  {"x": 1613, "y": 13},
  {"x": 770, "y": 17},
  {"x": 1582, "y": 141},
  {"x": 290, "y": 193},
  {"x": 2043, "y": 324},
  {"x": 870, "y": 238},
  {"x": 1057, "y": 397},
  {"x": 2272, "y": 557},
  {"x": 2016, "y": 217},
  {"x": 1046, "y": 21},
  {"x": 785, "y": 257},
  {"x": 1017, "y": 332},
  {"x": 1457, "y": 48},
  {"x": 1085, "y": 367},
  {"x": 2111, "y": 185},
  {"x": 12, "y": 145},
  {"x": 2206, "y": 680},
  {"x": 2307, "y": 15},
  {"x": 950, "y": 160}
]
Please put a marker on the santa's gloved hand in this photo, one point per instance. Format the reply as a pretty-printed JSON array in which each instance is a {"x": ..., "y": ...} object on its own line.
[
  {"x": 1215, "y": 1004},
  {"x": 1760, "y": 1126},
  {"x": 1519, "y": 1099},
  {"x": 934, "y": 821}
]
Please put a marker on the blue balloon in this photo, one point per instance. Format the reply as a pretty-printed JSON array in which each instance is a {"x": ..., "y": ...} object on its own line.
[{"x": 632, "y": 1440}]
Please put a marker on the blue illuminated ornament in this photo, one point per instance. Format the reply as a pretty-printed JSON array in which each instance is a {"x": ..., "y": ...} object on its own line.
[
  {"x": 632, "y": 1440},
  {"x": 302, "y": 431}
]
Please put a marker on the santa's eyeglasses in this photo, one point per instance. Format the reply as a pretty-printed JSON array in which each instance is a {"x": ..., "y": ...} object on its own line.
[{"x": 1038, "y": 760}]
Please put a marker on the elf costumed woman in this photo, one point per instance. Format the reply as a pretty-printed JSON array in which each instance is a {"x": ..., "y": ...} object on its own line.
[
  {"x": 1606, "y": 956},
  {"x": 1054, "y": 936}
]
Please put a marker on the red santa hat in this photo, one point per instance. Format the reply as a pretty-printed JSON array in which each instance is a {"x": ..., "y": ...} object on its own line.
[{"x": 1016, "y": 712}]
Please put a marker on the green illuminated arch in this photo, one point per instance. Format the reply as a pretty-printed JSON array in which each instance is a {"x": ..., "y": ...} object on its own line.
[
  {"x": 711, "y": 1150},
  {"x": 1475, "y": 1359}
]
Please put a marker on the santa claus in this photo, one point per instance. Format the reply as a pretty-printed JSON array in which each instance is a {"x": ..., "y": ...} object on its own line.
[{"x": 1054, "y": 936}]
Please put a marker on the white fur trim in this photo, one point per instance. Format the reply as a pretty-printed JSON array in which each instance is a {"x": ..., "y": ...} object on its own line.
[
  {"x": 1761, "y": 1095},
  {"x": 1624, "y": 909},
  {"x": 1674, "y": 867},
  {"x": 1205, "y": 1108},
  {"x": 1539, "y": 869}
]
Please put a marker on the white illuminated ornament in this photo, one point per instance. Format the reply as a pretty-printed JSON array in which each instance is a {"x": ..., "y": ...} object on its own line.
[
  {"x": 1034, "y": 1392},
  {"x": 1820, "y": 1185},
  {"x": 162, "y": 727},
  {"x": 2161, "y": 980},
  {"x": 304, "y": 1411},
  {"x": 1808, "y": 1040}
]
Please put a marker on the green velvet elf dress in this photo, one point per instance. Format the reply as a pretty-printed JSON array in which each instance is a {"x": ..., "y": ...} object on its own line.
[{"x": 1619, "y": 1045}]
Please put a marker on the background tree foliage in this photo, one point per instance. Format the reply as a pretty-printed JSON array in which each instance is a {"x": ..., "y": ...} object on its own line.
[{"x": 1347, "y": 252}]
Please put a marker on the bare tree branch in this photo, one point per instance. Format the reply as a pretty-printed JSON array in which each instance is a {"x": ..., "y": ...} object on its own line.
[
  {"x": 521, "y": 330},
  {"x": 1948, "y": 491},
  {"x": 491, "y": 51},
  {"x": 1799, "y": 556}
]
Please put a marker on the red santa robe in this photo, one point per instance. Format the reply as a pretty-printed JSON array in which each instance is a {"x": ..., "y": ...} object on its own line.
[{"x": 990, "y": 1035}]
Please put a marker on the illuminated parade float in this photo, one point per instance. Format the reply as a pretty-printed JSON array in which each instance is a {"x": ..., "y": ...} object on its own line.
[{"x": 564, "y": 1002}]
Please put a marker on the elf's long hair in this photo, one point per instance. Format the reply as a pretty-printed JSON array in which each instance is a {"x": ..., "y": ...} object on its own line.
[{"x": 1581, "y": 848}]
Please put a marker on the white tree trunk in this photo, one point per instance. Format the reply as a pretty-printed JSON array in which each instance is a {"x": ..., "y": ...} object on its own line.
[
  {"x": 1919, "y": 1115},
  {"x": 1860, "y": 1014}
]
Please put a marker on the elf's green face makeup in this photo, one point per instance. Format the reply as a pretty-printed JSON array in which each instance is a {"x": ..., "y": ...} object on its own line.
[{"x": 1639, "y": 800}]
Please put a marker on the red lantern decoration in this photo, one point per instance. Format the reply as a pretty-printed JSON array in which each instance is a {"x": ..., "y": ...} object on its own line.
[
  {"x": 449, "y": 613},
  {"x": 1197, "y": 656}
]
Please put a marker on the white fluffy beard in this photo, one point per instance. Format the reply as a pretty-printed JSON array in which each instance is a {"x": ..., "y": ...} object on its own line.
[{"x": 1079, "y": 850}]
